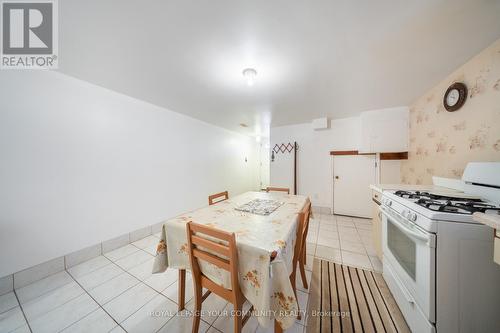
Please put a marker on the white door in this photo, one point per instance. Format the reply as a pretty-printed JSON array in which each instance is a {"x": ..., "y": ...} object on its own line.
[{"x": 352, "y": 176}]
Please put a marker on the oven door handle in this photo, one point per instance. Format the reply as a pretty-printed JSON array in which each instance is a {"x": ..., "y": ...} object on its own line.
[{"x": 405, "y": 229}]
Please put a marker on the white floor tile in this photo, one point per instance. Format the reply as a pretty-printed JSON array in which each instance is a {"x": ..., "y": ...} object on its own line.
[
  {"x": 328, "y": 241},
  {"x": 328, "y": 253},
  {"x": 309, "y": 262},
  {"x": 312, "y": 238},
  {"x": 151, "y": 250},
  {"x": 152, "y": 316},
  {"x": 97, "y": 277},
  {"x": 352, "y": 237},
  {"x": 172, "y": 291},
  {"x": 211, "y": 307},
  {"x": 225, "y": 322},
  {"x": 8, "y": 301},
  {"x": 302, "y": 299},
  {"x": 182, "y": 323},
  {"x": 298, "y": 281},
  {"x": 130, "y": 301},
  {"x": 348, "y": 231},
  {"x": 157, "y": 235},
  {"x": 346, "y": 224},
  {"x": 121, "y": 252},
  {"x": 296, "y": 328},
  {"x": 51, "y": 300},
  {"x": 327, "y": 217},
  {"x": 329, "y": 233},
  {"x": 311, "y": 248},
  {"x": 112, "y": 288},
  {"x": 23, "y": 329},
  {"x": 161, "y": 281},
  {"x": 376, "y": 263},
  {"x": 327, "y": 228},
  {"x": 356, "y": 260},
  {"x": 342, "y": 218},
  {"x": 370, "y": 249},
  {"x": 144, "y": 270},
  {"x": 89, "y": 266},
  {"x": 133, "y": 260},
  {"x": 356, "y": 247},
  {"x": 65, "y": 315},
  {"x": 363, "y": 226},
  {"x": 365, "y": 233},
  {"x": 11, "y": 319},
  {"x": 43, "y": 286},
  {"x": 97, "y": 321},
  {"x": 146, "y": 242},
  {"x": 117, "y": 329}
]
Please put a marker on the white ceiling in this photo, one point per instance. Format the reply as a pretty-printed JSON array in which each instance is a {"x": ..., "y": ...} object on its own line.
[{"x": 314, "y": 58}]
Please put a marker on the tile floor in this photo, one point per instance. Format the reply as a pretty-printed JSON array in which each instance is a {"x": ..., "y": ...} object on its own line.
[{"x": 116, "y": 292}]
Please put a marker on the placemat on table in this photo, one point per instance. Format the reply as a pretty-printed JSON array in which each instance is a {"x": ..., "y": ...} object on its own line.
[{"x": 260, "y": 206}]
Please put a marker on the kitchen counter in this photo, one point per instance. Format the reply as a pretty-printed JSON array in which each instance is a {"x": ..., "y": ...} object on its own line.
[
  {"x": 407, "y": 187},
  {"x": 488, "y": 219},
  {"x": 494, "y": 222}
]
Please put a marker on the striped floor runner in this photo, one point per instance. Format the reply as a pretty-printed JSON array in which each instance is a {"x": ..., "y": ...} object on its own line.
[{"x": 348, "y": 299}]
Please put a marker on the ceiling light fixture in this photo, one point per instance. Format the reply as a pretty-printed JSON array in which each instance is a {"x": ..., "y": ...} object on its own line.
[{"x": 250, "y": 74}]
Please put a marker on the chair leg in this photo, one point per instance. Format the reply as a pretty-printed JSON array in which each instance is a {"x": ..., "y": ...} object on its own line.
[
  {"x": 277, "y": 327},
  {"x": 197, "y": 308},
  {"x": 294, "y": 287},
  {"x": 182, "y": 289},
  {"x": 238, "y": 318},
  {"x": 303, "y": 274}
]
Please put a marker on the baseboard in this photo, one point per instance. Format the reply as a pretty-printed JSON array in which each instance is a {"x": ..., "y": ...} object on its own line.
[{"x": 35, "y": 273}]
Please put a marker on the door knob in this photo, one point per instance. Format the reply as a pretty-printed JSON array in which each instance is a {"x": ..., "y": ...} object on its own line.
[{"x": 336, "y": 177}]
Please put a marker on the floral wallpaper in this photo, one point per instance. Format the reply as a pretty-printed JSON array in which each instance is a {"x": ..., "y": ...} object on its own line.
[{"x": 441, "y": 142}]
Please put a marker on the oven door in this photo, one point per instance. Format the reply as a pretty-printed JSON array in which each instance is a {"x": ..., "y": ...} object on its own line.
[{"x": 410, "y": 254}]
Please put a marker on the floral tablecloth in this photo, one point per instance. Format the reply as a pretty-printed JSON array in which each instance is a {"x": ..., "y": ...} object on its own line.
[{"x": 264, "y": 282}]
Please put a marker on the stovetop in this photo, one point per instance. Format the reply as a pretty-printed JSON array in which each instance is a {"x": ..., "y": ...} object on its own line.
[{"x": 448, "y": 203}]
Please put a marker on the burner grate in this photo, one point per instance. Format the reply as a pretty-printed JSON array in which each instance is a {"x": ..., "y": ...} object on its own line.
[
  {"x": 466, "y": 207},
  {"x": 431, "y": 196}
]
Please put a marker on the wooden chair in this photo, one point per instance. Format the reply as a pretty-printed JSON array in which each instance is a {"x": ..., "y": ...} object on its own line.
[
  {"x": 278, "y": 189},
  {"x": 305, "y": 215},
  {"x": 222, "y": 256},
  {"x": 212, "y": 198},
  {"x": 298, "y": 253}
]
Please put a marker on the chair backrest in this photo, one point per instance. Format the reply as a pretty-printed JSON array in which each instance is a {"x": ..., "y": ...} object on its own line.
[
  {"x": 304, "y": 215},
  {"x": 223, "y": 254},
  {"x": 277, "y": 189},
  {"x": 212, "y": 199}
]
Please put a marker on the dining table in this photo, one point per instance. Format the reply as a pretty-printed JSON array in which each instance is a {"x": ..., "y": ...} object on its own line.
[{"x": 265, "y": 242}]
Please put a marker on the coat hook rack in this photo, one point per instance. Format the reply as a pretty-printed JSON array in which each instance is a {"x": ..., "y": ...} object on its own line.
[{"x": 285, "y": 148}]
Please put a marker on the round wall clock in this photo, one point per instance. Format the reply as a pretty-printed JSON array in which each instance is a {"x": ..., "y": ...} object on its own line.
[{"x": 455, "y": 96}]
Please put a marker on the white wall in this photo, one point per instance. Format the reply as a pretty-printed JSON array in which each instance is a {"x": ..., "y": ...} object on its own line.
[
  {"x": 81, "y": 164},
  {"x": 314, "y": 168}
]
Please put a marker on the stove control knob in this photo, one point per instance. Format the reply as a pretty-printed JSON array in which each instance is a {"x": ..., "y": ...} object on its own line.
[
  {"x": 413, "y": 217},
  {"x": 389, "y": 203}
]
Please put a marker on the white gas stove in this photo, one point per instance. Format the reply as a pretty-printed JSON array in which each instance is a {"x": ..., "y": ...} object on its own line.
[{"x": 438, "y": 261}]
